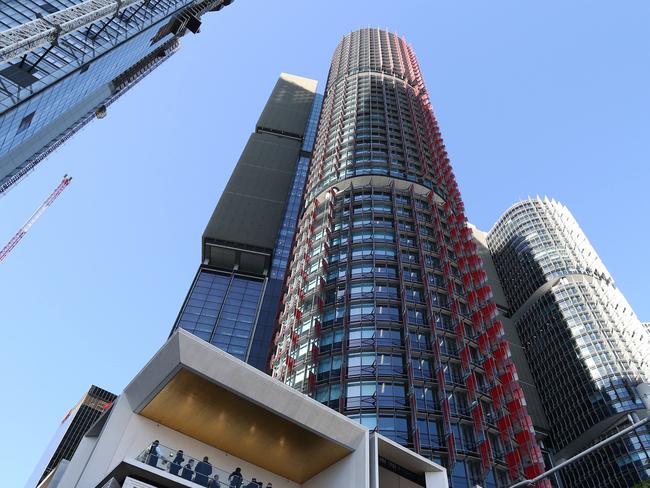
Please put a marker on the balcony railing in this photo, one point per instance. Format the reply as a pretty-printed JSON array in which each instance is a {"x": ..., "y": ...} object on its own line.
[{"x": 201, "y": 473}]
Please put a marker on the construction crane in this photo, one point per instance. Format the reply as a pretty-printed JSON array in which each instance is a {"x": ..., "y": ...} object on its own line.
[{"x": 23, "y": 230}]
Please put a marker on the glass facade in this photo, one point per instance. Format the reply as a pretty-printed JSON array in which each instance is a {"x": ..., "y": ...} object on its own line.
[
  {"x": 71, "y": 431},
  {"x": 222, "y": 309},
  {"x": 386, "y": 316},
  {"x": 290, "y": 218},
  {"x": 53, "y": 87},
  {"x": 585, "y": 347}
]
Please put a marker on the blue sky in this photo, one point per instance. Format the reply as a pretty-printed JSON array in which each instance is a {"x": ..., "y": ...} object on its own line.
[{"x": 547, "y": 98}]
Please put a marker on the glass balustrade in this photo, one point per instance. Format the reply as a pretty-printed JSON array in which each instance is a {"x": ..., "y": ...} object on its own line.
[{"x": 201, "y": 473}]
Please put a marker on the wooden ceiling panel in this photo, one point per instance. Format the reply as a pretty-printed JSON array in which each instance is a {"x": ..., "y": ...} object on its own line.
[{"x": 196, "y": 407}]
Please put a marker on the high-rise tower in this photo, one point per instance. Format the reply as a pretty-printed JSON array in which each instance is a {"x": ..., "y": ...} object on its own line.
[
  {"x": 586, "y": 348},
  {"x": 62, "y": 62},
  {"x": 233, "y": 302},
  {"x": 66, "y": 440},
  {"x": 386, "y": 314}
]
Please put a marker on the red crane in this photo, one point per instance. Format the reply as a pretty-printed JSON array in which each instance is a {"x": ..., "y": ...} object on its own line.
[{"x": 39, "y": 211}]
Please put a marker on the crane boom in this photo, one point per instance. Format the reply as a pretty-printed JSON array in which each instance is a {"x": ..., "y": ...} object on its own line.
[{"x": 35, "y": 216}]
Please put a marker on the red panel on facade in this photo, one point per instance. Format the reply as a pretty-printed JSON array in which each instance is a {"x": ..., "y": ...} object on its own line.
[
  {"x": 496, "y": 393},
  {"x": 464, "y": 357},
  {"x": 488, "y": 365},
  {"x": 505, "y": 427},
  {"x": 444, "y": 403},
  {"x": 514, "y": 462},
  {"x": 486, "y": 454},
  {"x": 459, "y": 331},
  {"x": 524, "y": 437},
  {"x": 483, "y": 343},
  {"x": 477, "y": 416},
  {"x": 451, "y": 448},
  {"x": 471, "y": 386},
  {"x": 441, "y": 379}
]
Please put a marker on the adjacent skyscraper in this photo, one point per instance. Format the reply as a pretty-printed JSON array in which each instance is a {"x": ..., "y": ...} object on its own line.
[
  {"x": 62, "y": 62},
  {"x": 234, "y": 300},
  {"x": 386, "y": 314},
  {"x": 585, "y": 346},
  {"x": 69, "y": 434}
]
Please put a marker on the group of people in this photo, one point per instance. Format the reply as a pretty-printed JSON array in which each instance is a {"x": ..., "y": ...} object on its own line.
[{"x": 201, "y": 474}]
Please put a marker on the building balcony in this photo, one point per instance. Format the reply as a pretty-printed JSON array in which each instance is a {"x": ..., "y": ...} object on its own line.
[
  {"x": 196, "y": 398},
  {"x": 177, "y": 463}
]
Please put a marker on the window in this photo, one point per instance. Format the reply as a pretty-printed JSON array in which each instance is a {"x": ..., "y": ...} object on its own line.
[
  {"x": 329, "y": 365},
  {"x": 419, "y": 341},
  {"x": 331, "y": 340},
  {"x": 368, "y": 420},
  {"x": 421, "y": 368},
  {"x": 26, "y": 122},
  {"x": 328, "y": 394},
  {"x": 361, "y": 359},
  {"x": 362, "y": 312},
  {"x": 416, "y": 316},
  {"x": 426, "y": 398},
  {"x": 361, "y": 333},
  {"x": 395, "y": 428},
  {"x": 48, "y": 7},
  {"x": 430, "y": 433},
  {"x": 361, "y": 394}
]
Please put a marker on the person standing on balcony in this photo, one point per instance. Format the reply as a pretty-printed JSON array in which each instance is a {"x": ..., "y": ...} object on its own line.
[
  {"x": 154, "y": 454},
  {"x": 203, "y": 471},
  {"x": 236, "y": 479},
  {"x": 177, "y": 463},
  {"x": 188, "y": 469}
]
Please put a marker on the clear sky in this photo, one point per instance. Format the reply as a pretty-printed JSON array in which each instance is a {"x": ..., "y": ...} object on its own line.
[{"x": 533, "y": 98}]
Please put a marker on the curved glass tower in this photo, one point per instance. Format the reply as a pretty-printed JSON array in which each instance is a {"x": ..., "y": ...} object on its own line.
[
  {"x": 386, "y": 315},
  {"x": 585, "y": 346}
]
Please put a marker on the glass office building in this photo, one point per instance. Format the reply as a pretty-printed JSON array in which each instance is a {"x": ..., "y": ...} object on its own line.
[
  {"x": 585, "y": 347},
  {"x": 234, "y": 300},
  {"x": 93, "y": 52},
  {"x": 386, "y": 316},
  {"x": 68, "y": 436}
]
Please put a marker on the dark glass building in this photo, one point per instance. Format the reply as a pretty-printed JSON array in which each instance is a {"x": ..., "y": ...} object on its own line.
[
  {"x": 586, "y": 349},
  {"x": 233, "y": 302},
  {"x": 62, "y": 62},
  {"x": 69, "y": 434},
  {"x": 386, "y": 314}
]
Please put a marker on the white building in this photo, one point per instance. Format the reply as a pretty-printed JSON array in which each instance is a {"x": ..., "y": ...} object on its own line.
[{"x": 196, "y": 398}]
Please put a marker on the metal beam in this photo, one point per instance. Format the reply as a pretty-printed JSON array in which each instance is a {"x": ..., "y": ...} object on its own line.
[{"x": 47, "y": 29}]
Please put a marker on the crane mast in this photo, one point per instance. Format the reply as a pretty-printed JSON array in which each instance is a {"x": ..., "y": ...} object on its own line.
[{"x": 35, "y": 216}]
